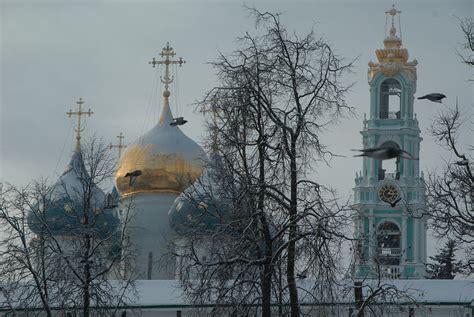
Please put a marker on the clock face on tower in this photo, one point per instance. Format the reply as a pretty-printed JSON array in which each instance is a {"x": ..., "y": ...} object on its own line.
[{"x": 388, "y": 193}]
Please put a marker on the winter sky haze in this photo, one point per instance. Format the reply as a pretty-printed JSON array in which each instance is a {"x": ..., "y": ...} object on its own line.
[{"x": 53, "y": 52}]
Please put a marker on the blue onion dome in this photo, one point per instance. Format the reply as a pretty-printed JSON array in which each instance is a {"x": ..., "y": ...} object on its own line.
[
  {"x": 202, "y": 206},
  {"x": 74, "y": 204}
]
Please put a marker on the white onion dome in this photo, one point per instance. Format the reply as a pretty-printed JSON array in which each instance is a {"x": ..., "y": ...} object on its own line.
[
  {"x": 164, "y": 160},
  {"x": 202, "y": 207},
  {"x": 73, "y": 202}
]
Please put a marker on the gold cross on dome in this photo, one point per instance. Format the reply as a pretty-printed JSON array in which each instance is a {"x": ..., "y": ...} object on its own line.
[
  {"x": 120, "y": 146},
  {"x": 79, "y": 114},
  {"x": 393, "y": 12},
  {"x": 167, "y": 52}
]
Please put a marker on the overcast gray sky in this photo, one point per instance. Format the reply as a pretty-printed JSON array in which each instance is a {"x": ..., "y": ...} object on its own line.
[{"x": 53, "y": 52}]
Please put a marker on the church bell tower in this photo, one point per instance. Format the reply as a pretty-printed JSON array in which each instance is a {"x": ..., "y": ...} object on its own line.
[{"x": 389, "y": 194}]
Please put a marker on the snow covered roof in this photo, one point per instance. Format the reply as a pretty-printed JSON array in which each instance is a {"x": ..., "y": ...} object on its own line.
[{"x": 167, "y": 294}]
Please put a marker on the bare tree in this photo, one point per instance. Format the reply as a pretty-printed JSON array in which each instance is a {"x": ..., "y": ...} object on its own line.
[
  {"x": 450, "y": 192},
  {"x": 379, "y": 297},
  {"x": 467, "y": 28},
  {"x": 276, "y": 94},
  {"x": 24, "y": 281},
  {"x": 65, "y": 241}
]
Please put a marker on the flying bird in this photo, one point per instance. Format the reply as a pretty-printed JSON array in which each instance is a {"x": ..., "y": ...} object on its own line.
[
  {"x": 393, "y": 204},
  {"x": 435, "y": 97},
  {"x": 178, "y": 121},
  {"x": 384, "y": 153},
  {"x": 133, "y": 176}
]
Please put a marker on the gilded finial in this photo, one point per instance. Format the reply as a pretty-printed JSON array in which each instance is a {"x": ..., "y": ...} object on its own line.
[
  {"x": 79, "y": 114},
  {"x": 393, "y": 12},
  {"x": 120, "y": 146},
  {"x": 167, "y": 52},
  {"x": 167, "y": 79}
]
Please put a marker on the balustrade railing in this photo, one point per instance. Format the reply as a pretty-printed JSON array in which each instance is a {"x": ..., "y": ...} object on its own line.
[
  {"x": 392, "y": 272},
  {"x": 389, "y": 252}
]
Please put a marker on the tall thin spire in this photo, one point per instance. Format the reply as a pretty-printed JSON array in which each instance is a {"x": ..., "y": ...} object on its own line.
[
  {"x": 119, "y": 146},
  {"x": 79, "y": 114},
  {"x": 167, "y": 79}
]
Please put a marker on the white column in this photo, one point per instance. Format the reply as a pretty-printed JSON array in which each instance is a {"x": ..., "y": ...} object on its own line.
[
  {"x": 404, "y": 239},
  {"x": 371, "y": 234},
  {"x": 424, "y": 241},
  {"x": 372, "y": 164},
  {"x": 372, "y": 171},
  {"x": 416, "y": 154},
  {"x": 416, "y": 240}
]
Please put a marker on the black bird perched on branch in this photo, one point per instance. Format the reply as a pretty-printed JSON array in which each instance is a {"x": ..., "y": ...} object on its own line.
[
  {"x": 384, "y": 153},
  {"x": 133, "y": 176},
  {"x": 178, "y": 121},
  {"x": 435, "y": 97}
]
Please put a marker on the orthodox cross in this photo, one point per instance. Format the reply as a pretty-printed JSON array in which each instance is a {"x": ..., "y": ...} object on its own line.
[
  {"x": 120, "y": 146},
  {"x": 393, "y": 12},
  {"x": 167, "y": 52},
  {"x": 79, "y": 114}
]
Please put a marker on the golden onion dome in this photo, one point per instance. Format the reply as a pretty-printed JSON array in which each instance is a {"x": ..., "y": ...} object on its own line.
[{"x": 163, "y": 160}]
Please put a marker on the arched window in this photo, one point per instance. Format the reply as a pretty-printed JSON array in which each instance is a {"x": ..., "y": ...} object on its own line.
[
  {"x": 389, "y": 169},
  {"x": 390, "y": 94},
  {"x": 388, "y": 243}
]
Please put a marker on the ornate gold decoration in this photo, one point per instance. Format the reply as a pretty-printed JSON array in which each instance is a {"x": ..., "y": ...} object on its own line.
[
  {"x": 120, "y": 146},
  {"x": 388, "y": 193},
  {"x": 393, "y": 58},
  {"x": 79, "y": 114},
  {"x": 159, "y": 173}
]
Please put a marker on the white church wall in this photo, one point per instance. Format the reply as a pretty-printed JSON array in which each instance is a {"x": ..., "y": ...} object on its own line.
[{"x": 149, "y": 230}]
